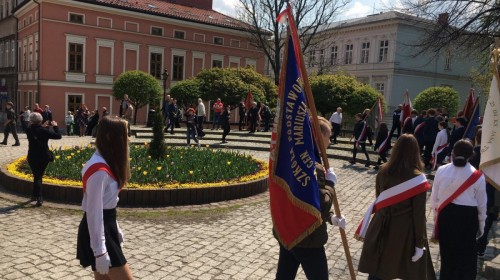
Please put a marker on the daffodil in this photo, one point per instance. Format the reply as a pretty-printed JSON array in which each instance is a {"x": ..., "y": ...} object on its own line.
[
  {"x": 158, "y": 168},
  {"x": 228, "y": 163},
  {"x": 145, "y": 173},
  {"x": 72, "y": 154},
  {"x": 191, "y": 172},
  {"x": 129, "y": 159},
  {"x": 139, "y": 168},
  {"x": 57, "y": 157},
  {"x": 68, "y": 157}
]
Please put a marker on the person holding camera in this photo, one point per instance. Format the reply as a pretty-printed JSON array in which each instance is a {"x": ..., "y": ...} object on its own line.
[{"x": 39, "y": 154}]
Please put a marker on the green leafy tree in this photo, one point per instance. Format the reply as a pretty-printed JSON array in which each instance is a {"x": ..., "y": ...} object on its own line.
[
  {"x": 186, "y": 92},
  {"x": 157, "y": 149},
  {"x": 230, "y": 84},
  {"x": 141, "y": 88},
  {"x": 437, "y": 97},
  {"x": 332, "y": 91}
]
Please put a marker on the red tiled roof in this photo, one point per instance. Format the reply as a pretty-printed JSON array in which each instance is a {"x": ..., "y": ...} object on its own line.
[{"x": 171, "y": 10}]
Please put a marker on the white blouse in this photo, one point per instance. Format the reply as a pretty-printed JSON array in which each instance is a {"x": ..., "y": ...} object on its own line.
[
  {"x": 451, "y": 176},
  {"x": 101, "y": 193},
  {"x": 441, "y": 139}
]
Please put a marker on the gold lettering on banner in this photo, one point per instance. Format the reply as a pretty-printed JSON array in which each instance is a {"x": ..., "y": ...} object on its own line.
[
  {"x": 295, "y": 134},
  {"x": 492, "y": 137}
]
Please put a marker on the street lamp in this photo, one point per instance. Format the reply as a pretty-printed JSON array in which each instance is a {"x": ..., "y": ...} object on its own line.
[{"x": 165, "y": 78}]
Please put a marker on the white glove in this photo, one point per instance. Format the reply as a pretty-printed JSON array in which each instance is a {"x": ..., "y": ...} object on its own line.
[
  {"x": 419, "y": 252},
  {"x": 339, "y": 222},
  {"x": 331, "y": 176},
  {"x": 102, "y": 264},
  {"x": 481, "y": 230},
  {"x": 120, "y": 236},
  {"x": 447, "y": 159}
]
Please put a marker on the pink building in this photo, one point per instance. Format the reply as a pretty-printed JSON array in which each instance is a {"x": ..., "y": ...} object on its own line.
[{"x": 70, "y": 52}]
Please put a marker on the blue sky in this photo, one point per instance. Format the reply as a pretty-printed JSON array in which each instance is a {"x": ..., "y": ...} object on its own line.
[{"x": 356, "y": 8}]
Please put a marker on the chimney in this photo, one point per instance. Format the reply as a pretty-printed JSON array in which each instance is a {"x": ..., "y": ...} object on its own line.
[
  {"x": 200, "y": 4},
  {"x": 443, "y": 19}
]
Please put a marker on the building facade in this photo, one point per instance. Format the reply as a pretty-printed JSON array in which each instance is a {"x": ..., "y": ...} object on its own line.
[
  {"x": 380, "y": 51},
  {"x": 8, "y": 49},
  {"x": 70, "y": 52}
]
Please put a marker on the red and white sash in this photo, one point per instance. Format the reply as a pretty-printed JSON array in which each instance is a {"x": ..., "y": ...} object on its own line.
[
  {"x": 362, "y": 135},
  {"x": 383, "y": 147},
  {"x": 450, "y": 195},
  {"x": 95, "y": 164},
  {"x": 405, "y": 123},
  {"x": 419, "y": 127},
  {"x": 394, "y": 195},
  {"x": 434, "y": 155}
]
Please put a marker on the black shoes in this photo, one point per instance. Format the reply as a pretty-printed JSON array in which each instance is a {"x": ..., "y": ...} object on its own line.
[
  {"x": 3, "y": 143},
  {"x": 15, "y": 145},
  {"x": 367, "y": 164},
  {"x": 39, "y": 202},
  {"x": 352, "y": 162}
]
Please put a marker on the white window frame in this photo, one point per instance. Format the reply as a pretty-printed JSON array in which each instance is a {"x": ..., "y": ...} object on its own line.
[
  {"x": 72, "y": 76},
  {"x": 30, "y": 54},
  {"x": 159, "y": 27},
  {"x": 251, "y": 62},
  {"x": 333, "y": 60},
  {"x": 215, "y": 57},
  {"x": 108, "y": 44},
  {"x": 6, "y": 60},
  {"x": 380, "y": 87},
  {"x": 13, "y": 53},
  {"x": 234, "y": 59},
  {"x": 383, "y": 56},
  {"x": 35, "y": 46},
  {"x": 195, "y": 34},
  {"x": 198, "y": 55},
  {"x": 66, "y": 99},
  {"x": 178, "y": 52},
  {"x": 131, "y": 46},
  {"x": 156, "y": 49},
  {"x": 348, "y": 54},
  {"x": 213, "y": 40},
  {"x": 365, "y": 52},
  {"x": 110, "y": 109},
  {"x": 79, "y": 14},
  {"x": 234, "y": 40},
  {"x": 107, "y": 19},
  {"x": 132, "y": 23},
  {"x": 178, "y": 30}
]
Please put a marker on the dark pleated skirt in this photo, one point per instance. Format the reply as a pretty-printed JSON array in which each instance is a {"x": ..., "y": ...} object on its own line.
[
  {"x": 83, "y": 250},
  {"x": 457, "y": 227}
]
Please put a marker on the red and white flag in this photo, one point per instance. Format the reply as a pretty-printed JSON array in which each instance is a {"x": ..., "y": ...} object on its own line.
[{"x": 406, "y": 110}]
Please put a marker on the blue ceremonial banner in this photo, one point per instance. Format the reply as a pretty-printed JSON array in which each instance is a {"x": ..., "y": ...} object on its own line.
[
  {"x": 294, "y": 191},
  {"x": 473, "y": 122}
]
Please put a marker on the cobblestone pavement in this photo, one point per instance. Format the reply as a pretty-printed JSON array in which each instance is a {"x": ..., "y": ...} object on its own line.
[{"x": 231, "y": 241}]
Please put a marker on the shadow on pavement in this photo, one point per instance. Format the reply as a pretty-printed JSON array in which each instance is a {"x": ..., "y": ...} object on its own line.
[{"x": 10, "y": 209}]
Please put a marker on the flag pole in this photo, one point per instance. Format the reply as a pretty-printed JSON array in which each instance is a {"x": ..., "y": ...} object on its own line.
[{"x": 317, "y": 132}]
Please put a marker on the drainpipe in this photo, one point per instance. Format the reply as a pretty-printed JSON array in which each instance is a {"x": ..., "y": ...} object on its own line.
[
  {"x": 16, "y": 65},
  {"x": 39, "y": 50}
]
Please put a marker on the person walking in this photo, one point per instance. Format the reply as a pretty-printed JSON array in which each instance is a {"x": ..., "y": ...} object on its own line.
[
  {"x": 418, "y": 129},
  {"x": 439, "y": 149},
  {"x": 409, "y": 125},
  {"x": 25, "y": 118},
  {"x": 47, "y": 114},
  {"x": 191, "y": 126},
  {"x": 39, "y": 155},
  {"x": 128, "y": 116},
  {"x": 200, "y": 116},
  {"x": 491, "y": 210},
  {"x": 336, "y": 121},
  {"x": 266, "y": 117},
  {"x": 124, "y": 105},
  {"x": 253, "y": 117},
  {"x": 457, "y": 133},
  {"x": 100, "y": 239},
  {"x": 172, "y": 115},
  {"x": 359, "y": 136},
  {"x": 395, "y": 240},
  {"x": 458, "y": 201},
  {"x": 310, "y": 252},
  {"x": 68, "y": 121},
  {"x": 382, "y": 144},
  {"x": 37, "y": 109},
  {"x": 218, "y": 108},
  {"x": 10, "y": 125},
  {"x": 226, "y": 126},
  {"x": 81, "y": 117},
  {"x": 242, "y": 114},
  {"x": 396, "y": 121}
]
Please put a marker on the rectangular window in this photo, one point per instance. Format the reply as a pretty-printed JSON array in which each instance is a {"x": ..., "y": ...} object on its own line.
[
  {"x": 74, "y": 102},
  {"x": 218, "y": 40},
  {"x": 75, "y": 56},
  {"x": 334, "y": 55},
  {"x": 383, "y": 51},
  {"x": 312, "y": 58},
  {"x": 217, "y": 64},
  {"x": 365, "y": 52},
  {"x": 158, "y": 31},
  {"x": 1, "y": 55},
  {"x": 178, "y": 68},
  {"x": 30, "y": 63},
  {"x": 155, "y": 65},
  {"x": 36, "y": 53},
  {"x": 380, "y": 87},
  {"x": 25, "y": 58},
  {"x": 447, "y": 61},
  {"x": 76, "y": 18},
  {"x": 348, "y": 54},
  {"x": 179, "y": 34},
  {"x": 235, "y": 43},
  {"x": 321, "y": 56}
]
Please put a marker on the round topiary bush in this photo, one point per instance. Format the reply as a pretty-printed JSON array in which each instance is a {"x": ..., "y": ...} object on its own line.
[
  {"x": 180, "y": 168},
  {"x": 437, "y": 97}
]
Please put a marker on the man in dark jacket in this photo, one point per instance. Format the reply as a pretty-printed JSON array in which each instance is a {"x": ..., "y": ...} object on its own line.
[
  {"x": 456, "y": 134},
  {"x": 47, "y": 114},
  {"x": 396, "y": 122},
  {"x": 10, "y": 125},
  {"x": 360, "y": 135},
  {"x": 430, "y": 133},
  {"x": 253, "y": 115},
  {"x": 409, "y": 125},
  {"x": 419, "y": 129}
]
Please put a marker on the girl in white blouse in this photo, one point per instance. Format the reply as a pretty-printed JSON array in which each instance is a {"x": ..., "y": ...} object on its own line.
[
  {"x": 458, "y": 200},
  {"x": 107, "y": 171}
]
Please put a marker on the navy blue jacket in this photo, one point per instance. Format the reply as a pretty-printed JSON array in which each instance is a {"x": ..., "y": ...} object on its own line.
[{"x": 430, "y": 129}]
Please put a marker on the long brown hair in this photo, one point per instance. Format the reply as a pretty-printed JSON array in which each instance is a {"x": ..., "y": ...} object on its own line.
[
  {"x": 405, "y": 156},
  {"x": 112, "y": 143}
]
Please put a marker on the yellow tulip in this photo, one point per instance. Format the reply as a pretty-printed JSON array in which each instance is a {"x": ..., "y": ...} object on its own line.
[
  {"x": 139, "y": 168},
  {"x": 145, "y": 173},
  {"x": 191, "y": 172},
  {"x": 158, "y": 168},
  {"x": 228, "y": 163}
]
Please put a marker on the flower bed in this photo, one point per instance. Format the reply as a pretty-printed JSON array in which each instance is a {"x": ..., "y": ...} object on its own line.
[{"x": 185, "y": 176}]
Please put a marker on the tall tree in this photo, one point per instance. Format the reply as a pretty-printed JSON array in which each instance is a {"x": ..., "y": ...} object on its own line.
[
  {"x": 470, "y": 25},
  {"x": 310, "y": 17}
]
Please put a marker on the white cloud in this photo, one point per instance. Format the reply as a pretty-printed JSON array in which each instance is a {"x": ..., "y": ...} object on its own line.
[
  {"x": 356, "y": 9},
  {"x": 227, "y": 7}
]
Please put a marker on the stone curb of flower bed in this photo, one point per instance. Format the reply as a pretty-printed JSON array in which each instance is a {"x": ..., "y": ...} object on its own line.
[{"x": 138, "y": 197}]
